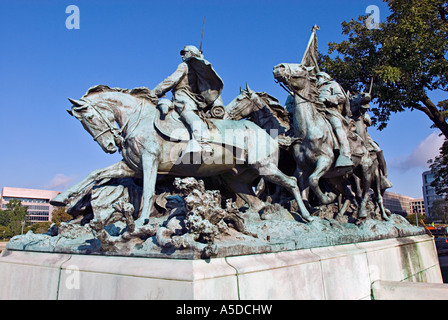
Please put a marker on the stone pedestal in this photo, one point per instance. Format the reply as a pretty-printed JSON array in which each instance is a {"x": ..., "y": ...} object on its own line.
[{"x": 335, "y": 272}]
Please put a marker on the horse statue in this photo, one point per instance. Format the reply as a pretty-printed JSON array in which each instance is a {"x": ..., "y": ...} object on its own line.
[
  {"x": 313, "y": 144},
  {"x": 150, "y": 147},
  {"x": 359, "y": 104}
]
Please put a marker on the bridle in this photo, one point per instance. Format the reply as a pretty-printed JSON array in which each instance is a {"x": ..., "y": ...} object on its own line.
[
  {"x": 239, "y": 109},
  {"x": 290, "y": 89},
  {"x": 116, "y": 133}
]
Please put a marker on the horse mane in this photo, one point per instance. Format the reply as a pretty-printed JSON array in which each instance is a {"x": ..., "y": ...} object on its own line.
[
  {"x": 313, "y": 90},
  {"x": 139, "y": 92},
  {"x": 275, "y": 109},
  {"x": 274, "y": 106}
]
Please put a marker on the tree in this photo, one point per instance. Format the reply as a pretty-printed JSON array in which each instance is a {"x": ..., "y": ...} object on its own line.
[
  {"x": 5, "y": 232},
  {"x": 419, "y": 216},
  {"x": 439, "y": 166},
  {"x": 4, "y": 218},
  {"x": 439, "y": 210},
  {"x": 16, "y": 216},
  {"x": 39, "y": 227},
  {"x": 60, "y": 215},
  {"x": 406, "y": 57}
]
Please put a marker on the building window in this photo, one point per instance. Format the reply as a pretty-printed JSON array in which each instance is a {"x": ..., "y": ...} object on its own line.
[{"x": 429, "y": 178}]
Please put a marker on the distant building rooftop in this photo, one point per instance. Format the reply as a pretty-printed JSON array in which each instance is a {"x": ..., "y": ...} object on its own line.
[
  {"x": 403, "y": 205},
  {"x": 37, "y": 201}
]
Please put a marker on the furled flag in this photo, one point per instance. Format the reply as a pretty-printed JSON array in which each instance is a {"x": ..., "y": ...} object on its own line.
[{"x": 310, "y": 56}]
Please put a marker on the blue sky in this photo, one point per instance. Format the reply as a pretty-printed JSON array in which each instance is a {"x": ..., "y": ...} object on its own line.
[{"x": 136, "y": 43}]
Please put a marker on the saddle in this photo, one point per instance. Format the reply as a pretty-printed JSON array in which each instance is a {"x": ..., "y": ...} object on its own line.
[{"x": 173, "y": 128}]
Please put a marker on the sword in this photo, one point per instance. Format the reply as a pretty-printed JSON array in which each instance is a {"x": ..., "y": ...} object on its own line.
[
  {"x": 371, "y": 86},
  {"x": 202, "y": 35}
]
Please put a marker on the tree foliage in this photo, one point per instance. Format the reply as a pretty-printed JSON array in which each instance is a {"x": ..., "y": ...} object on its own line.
[
  {"x": 39, "y": 227},
  {"x": 5, "y": 232},
  {"x": 439, "y": 166},
  {"x": 60, "y": 215},
  {"x": 14, "y": 217},
  {"x": 411, "y": 218},
  {"x": 406, "y": 57},
  {"x": 439, "y": 210}
]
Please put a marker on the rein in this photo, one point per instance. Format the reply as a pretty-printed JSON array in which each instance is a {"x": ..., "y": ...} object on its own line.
[
  {"x": 117, "y": 133},
  {"x": 238, "y": 110},
  {"x": 289, "y": 89}
]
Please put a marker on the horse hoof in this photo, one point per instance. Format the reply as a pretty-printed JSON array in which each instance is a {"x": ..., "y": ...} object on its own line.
[
  {"x": 328, "y": 198},
  {"x": 362, "y": 214},
  {"x": 331, "y": 196},
  {"x": 59, "y": 201}
]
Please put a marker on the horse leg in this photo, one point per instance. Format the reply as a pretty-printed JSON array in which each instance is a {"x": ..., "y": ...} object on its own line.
[
  {"x": 345, "y": 197},
  {"x": 349, "y": 198},
  {"x": 322, "y": 166},
  {"x": 261, "y": 186},
  {"x": 356, "y": 185},
  {"x": 366, "y": 183},
  {"x": 117, "y": 170},
  {"x": 272, "y": 173},
  {"x": 241, "y": 184},
  {"x": 150, "y": 164},
  {"x": 378, "y": 194},
  {"x": 303, "y": 183}
]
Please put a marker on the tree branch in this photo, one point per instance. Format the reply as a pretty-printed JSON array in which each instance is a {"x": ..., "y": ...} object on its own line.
[{"x": 434, "y": 114}]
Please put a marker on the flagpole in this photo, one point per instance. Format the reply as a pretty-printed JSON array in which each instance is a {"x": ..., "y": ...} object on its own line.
[
  {"x": 202, "y": 35},
  {"x": 313, "y": 31}
]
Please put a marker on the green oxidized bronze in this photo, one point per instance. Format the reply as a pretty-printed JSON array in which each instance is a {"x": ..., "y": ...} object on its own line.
[{"x": 199, "y": 179}]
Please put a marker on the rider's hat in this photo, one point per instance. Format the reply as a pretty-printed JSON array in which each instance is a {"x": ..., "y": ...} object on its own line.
[
  {"x": 193, "y": 50},
  {"x": 324, "y": 75}
]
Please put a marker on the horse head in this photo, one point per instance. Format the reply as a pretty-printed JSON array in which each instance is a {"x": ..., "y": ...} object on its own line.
[
  {"x": 101, "y": 107},
  {"x": 295, "y": 77},
  {"x": 260, "y": 107},
  {"x": 97, "y": 120},
  {"x": 359, "y": 103},
  {"x": 243, "y": 105}
]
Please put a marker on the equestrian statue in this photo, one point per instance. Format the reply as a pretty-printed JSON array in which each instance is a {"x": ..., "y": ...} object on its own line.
[{"x": 314, "y": 151}]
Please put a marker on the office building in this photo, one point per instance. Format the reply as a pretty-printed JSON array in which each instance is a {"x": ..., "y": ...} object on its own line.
[
  {"x": 37, "y": 201},
  {"x": 429, "y": 192},
  {"x": 403, "y": 205},
  {"x": 418, "y": 206}
]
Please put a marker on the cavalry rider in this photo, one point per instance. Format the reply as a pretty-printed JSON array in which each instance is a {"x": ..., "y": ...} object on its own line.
[
  {"x": 195, "y": 86},
  {"x": 336, "y": 107},
  {"x": 359, "y": 106}
]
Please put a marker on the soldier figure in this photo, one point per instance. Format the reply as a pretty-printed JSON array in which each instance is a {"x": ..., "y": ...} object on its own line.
[
  {"x": 359, "y": 105},
  {"x": 195, "y": 87},
  {"x": 336, "y": 107}
]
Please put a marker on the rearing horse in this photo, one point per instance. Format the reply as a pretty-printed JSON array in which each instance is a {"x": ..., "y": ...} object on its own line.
[
  {"x": 268, "y": 113},
  {"x": 315, "y": 153},
  {"x": 146, "y": 152}
]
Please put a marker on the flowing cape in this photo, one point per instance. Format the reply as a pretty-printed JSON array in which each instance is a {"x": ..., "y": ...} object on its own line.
[{"x": 210, "y": 84}]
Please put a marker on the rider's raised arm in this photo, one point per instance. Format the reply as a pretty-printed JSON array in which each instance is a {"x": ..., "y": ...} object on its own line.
[{"x": 172, "y": 81}]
